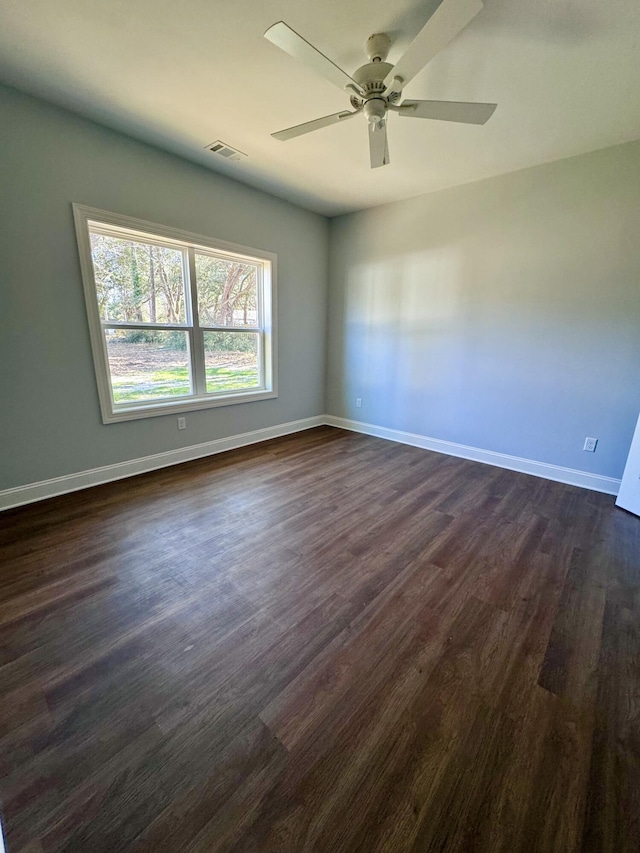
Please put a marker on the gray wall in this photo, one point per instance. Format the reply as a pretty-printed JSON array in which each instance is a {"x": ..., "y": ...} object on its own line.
[
  {"x": 49, "y": 414},
  {"x": 503, "y": 314}
]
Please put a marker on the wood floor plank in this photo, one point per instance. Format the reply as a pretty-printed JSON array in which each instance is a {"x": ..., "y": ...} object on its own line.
[
  {"x": 254, "y": 753},
  {"x": 325, "y": 642},
  {"x": 569, "y": 667},
  {"x": 613, "y": 811}
]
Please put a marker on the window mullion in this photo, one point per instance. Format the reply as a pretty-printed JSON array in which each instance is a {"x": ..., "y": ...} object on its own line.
[
  {"x": 145, "y": 327},
  {"x": 197, "y": 338},
  {"x": 225, "y": 329}
]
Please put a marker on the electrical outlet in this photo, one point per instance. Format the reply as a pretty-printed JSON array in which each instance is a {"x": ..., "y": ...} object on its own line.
[
  {"x": 358, "y": 402},
  {"x": 182, "y": 423},
  {"x": 590, "y": 444}
]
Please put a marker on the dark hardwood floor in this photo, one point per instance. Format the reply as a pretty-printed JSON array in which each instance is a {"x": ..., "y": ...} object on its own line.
[{"x": 321, "y": 644}]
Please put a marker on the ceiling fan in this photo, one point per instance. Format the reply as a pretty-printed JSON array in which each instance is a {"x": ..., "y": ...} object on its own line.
[{"x": 377, "y": 86}]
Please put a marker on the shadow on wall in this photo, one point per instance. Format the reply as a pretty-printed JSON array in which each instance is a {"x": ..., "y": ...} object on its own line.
[
  {"x": 401, "y": 316},
  {"x": 502, "y": 315}
]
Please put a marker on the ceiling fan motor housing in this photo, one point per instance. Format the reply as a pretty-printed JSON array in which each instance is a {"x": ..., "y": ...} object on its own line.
[{"x": 370, "y": 78}]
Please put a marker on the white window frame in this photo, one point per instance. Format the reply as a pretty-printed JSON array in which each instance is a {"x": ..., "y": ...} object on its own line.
[{"x": 113, "y": 412}]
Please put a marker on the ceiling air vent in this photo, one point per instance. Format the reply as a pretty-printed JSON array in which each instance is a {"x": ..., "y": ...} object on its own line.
[{"x": 221, "y": 149}]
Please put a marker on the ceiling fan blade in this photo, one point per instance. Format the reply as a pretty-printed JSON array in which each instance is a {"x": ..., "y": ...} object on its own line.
[
  {"x": 288, "y": 40},
  {"x": 462, "y": 111},
  {"x": 447, "y": 21},
  {"x": 378, "y": 146},
  {"x": 310, "y": 126}
]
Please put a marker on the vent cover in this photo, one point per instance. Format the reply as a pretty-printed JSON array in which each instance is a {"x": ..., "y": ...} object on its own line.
[{"x": 221, "y": 149}]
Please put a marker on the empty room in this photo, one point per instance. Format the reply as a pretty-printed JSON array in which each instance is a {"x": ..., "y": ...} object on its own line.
[{"x": 319, "y": 426}]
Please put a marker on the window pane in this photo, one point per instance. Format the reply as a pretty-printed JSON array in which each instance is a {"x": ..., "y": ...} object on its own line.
[
  {"x": 231, "y": 360},
  {"x": 138, "y": 282},
  {"x": 227, "y": 292},
  {"x": 148, "y": 365}
]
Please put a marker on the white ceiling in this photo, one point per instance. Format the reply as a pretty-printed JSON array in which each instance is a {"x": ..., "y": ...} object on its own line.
[{"x": 565, "y": 75}]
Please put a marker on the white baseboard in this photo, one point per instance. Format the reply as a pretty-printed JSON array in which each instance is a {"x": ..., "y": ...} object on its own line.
[
  {"x": 570, "y": 476},
  {"x": 96, "y": 476}
]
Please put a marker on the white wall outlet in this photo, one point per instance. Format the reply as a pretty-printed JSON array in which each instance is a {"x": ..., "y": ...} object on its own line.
[
  {"x": 590, "y": 444},
  {"x": 182, "y": 423},
  {"x": 358, "y": 402}
]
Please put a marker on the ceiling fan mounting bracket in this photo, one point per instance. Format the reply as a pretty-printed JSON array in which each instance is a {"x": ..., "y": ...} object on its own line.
[
  {"x": 351, "y": 87},
  {"x": 394, "y": 89},
  {"x": 377, "y": 47}
]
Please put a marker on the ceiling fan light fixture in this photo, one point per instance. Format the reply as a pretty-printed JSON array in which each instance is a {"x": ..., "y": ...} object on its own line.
[{"x": 375, "y": 110}]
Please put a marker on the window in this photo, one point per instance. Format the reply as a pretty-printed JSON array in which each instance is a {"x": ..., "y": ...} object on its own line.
[{"x": 177, "y": 321}]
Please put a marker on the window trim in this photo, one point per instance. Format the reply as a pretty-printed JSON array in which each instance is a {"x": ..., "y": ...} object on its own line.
[{"x": 113, "y": 413}]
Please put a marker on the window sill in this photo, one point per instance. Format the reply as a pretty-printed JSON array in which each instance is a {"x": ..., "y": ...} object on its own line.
[{"x": 192, "y": 404}]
